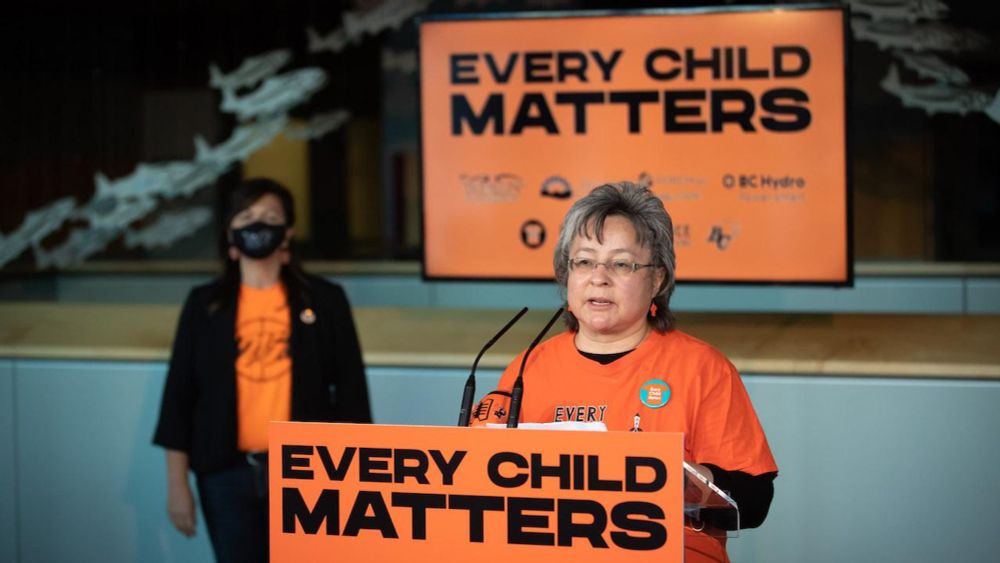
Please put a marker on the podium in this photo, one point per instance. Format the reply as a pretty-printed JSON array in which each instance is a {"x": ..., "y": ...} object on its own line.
[{"x": 421, "y": 493}]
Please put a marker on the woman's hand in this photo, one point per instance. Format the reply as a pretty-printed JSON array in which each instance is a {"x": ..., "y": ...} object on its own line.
[
  {"x": 180, "y": 501},
  {"x": 696, "y": 494},
  {"x": 180, "y": 508},
  {"x": 705, "y": 472}
]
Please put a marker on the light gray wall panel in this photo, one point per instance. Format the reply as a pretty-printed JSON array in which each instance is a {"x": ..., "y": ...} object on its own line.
[
  {"x": 869, "y": 295},
  {"x": 426, "y": 396},
  {"x": 126, "y": 288},
  {"x": 983, "y": 296},
  {"x": 495, "y": 295},
  {"x": 8, "y": 475},
  {"x": 875, "y": 470},
  {"x": 28, "y": 287},
  {"x": 384, "y": 291},
  {"x": 93, "y": 487}
]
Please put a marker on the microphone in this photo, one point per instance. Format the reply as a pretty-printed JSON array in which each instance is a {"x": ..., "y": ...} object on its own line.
[
  {"x": 518, "y": 390},
  {"x": 470, "y": 384}
]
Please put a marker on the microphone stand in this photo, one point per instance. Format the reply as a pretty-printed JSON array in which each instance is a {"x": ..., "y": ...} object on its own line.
[
  {"x": 517, "y": 392},
  {"x": 470, "y": 384}
]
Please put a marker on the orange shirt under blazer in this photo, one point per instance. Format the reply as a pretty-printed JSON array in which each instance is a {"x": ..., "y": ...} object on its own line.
[{"x": 263, "y": 366}]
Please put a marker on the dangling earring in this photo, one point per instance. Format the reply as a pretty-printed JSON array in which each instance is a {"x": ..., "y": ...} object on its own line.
[
  {"x": 234, "y": 253},
  {"x": 652, "y": 310}
]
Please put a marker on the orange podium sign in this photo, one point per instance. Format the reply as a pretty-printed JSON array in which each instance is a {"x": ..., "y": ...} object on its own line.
[{"x": 419, "y": 493}]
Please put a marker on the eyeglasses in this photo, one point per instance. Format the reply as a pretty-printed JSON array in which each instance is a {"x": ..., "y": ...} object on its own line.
[{"x": 616, "y": 267}]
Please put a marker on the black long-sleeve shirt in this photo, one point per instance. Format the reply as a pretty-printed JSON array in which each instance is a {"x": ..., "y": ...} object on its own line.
[{"x": 752, "y": 493}]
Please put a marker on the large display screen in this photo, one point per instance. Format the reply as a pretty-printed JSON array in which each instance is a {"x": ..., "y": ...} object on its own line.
[{"x": 735, "y": 119}]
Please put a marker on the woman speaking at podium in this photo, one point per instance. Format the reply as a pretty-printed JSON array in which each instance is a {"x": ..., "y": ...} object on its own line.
[
  {"x": 264, "y": 342},
  {"x": 622, "y": 362}
]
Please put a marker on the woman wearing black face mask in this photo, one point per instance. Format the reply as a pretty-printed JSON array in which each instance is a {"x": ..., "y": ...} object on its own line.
[{"x": 264, "y": 342}]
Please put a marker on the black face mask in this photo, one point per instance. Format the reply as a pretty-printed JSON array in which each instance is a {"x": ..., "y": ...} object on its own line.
[{"x": 259, "y": 240}]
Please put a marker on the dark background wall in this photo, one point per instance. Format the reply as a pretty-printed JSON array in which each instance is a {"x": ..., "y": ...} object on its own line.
[{"x": 103, "y": 88}]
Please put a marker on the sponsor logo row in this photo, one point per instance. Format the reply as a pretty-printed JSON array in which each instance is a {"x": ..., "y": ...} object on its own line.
[
  {"x": 507, "y": 187},
  {"x": 719, "y": 236}
]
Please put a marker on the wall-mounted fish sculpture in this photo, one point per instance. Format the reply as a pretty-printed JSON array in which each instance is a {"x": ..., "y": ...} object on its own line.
[
  {"x": 940, "y": 97},
  {"x": 81, "y": 244},
  {"x": 245, "y": 140},
  {"x": 37, "y": 225},
  {"x": 276, "y": 95},
  {"x": 319, "y": 125},
  {"x": 932, "y": 67},
  {"x": 917, "y": 37},
  {"x": 356, "y": 24},
  {"x": 251, "y": 71},
  {"x": 169, "y": 227},
  {"x": 900, "y": 10}
]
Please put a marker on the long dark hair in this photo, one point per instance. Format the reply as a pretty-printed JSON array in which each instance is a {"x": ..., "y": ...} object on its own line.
[{"x": 292, "y": 276}]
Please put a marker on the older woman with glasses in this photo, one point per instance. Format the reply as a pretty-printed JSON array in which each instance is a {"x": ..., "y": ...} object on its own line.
[{"x": 622, "y": 362}]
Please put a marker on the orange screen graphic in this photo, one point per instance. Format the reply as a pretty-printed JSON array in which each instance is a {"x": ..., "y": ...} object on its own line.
[
  {"x": 736, "y": 120},
  {"x": 351, "y": 492}
]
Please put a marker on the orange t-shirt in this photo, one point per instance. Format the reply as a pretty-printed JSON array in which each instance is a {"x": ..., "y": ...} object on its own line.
[
  {"x": 263, "y": 366},
  {"x": 671, "y": 382}
]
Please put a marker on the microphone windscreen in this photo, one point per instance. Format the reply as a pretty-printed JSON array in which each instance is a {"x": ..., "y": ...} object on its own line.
[{"x": 493, "y": 408}]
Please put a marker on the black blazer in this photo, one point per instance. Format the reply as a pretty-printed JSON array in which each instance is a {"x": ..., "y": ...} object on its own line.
[{"x": 198, "y": 411}]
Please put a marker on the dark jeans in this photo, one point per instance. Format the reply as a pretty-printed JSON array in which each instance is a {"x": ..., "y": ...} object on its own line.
[{"x": 234, "y": 502}]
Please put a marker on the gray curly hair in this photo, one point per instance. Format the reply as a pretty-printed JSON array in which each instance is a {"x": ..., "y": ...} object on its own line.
[{"x": 653, "y": 228}]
